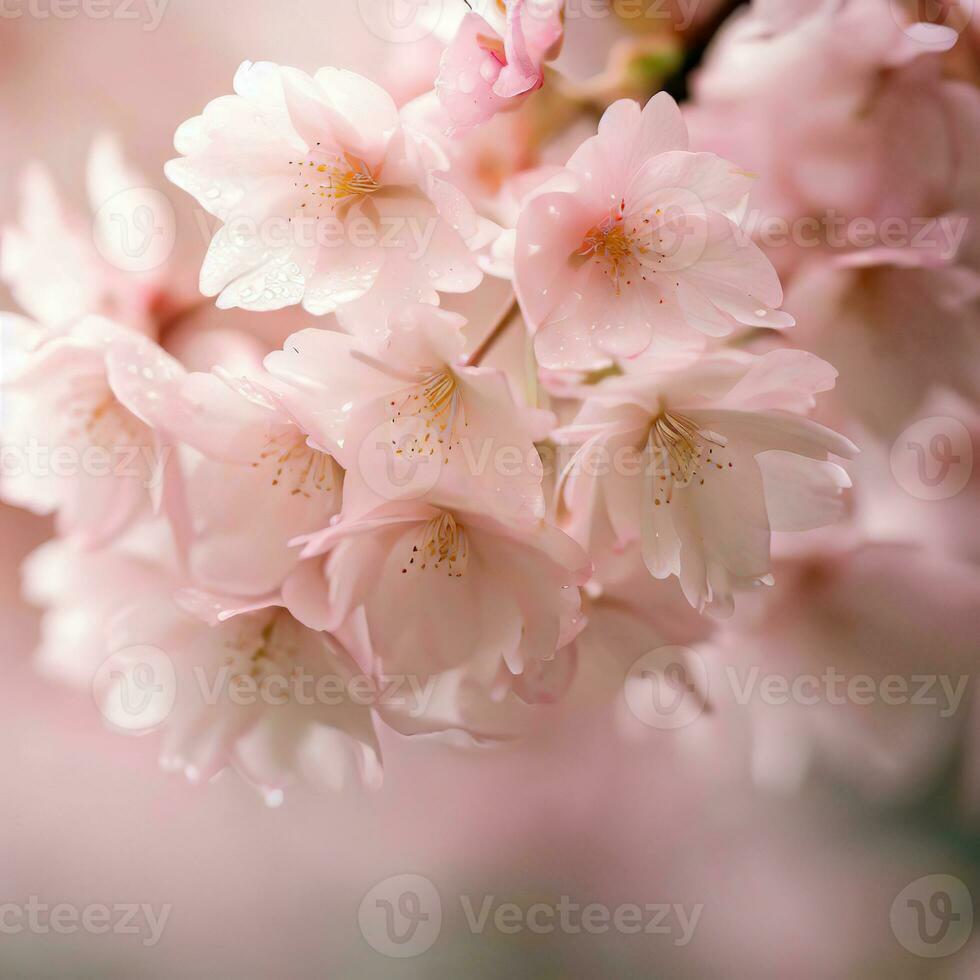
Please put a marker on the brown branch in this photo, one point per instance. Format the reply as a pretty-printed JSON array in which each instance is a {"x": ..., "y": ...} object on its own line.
[{"x": 495, "y": 334}]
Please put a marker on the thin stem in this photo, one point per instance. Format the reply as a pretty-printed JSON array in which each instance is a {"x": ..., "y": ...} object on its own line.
[{"x": 498, "y": 330}]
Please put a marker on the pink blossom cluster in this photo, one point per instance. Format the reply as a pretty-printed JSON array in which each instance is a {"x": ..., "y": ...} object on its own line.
[{"x": 485, "y": 408}]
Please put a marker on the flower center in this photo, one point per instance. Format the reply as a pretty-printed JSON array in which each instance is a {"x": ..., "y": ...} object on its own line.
[
  {"x": 438, "y": 402},
  {"x": 295, "y": 464},
  {"x": 97, "y": 418},
  {"x": 617, "y": 249},
  {"x": 631, "y": 248},
  {"x": 335, "y": 180},
  {"x": 442, "y": 545},
  {"x": 684, "y": 451},
  {"x": 262, "y": 652}
]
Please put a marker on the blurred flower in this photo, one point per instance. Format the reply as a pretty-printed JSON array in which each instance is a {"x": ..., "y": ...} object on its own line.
[
  {"x": 58, "y": 273},
  {"x": 78, "y": 441},
  {"x": 849, "y": 615}
]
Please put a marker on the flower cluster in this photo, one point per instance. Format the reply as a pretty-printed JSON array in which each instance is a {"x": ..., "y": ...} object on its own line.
[{"x": 485, "y": 406}]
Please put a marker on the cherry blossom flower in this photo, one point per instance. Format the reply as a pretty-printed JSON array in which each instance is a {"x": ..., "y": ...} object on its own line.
[
  {"x": 840, "y": 613},
  {"x": 545, "y": 418},
  {"x": 77, "y": 442},
  {"x": 267, "y": 475},
  {"x": 259, "y": 469},
  {"x": 253, "y": 467},
  {"x": 405, "y": 415},
  {"x": 701, "y": 464},
  {"x": 488, "y": 68},
  {"x": 254, "y": 690},
  {"x": 878, "y": 325},
  {"x": 79, "y": 591},
  {"x": 324, "y": 196},
  {"x": 783, "y": 44},
  {"x": 877, "y": 190},
  {"x": 50, "y": 261},
  {"x": 478, "y": 703},
  {"x": 250, "y": 687},
  {"x": 443, "y": 586},
  {"x": 634, "y": 245},
  {"x": 888, "y": 137}
]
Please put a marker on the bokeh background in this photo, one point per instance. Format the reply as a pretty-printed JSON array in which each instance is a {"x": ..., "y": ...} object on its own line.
[{"x": 797, "y": 871}]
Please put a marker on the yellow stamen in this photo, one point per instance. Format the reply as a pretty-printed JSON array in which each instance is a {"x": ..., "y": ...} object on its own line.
[
  {"x": 303, "y": 469},
  {"x": 260, "y": 653},
  {"x": 683, "y": 448},
  {"x": 617, "y": 249},
  {"x": 336, "y": 180},
  {"x": 438, "y": 402},
  {"x": 442, "y": 545}
]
